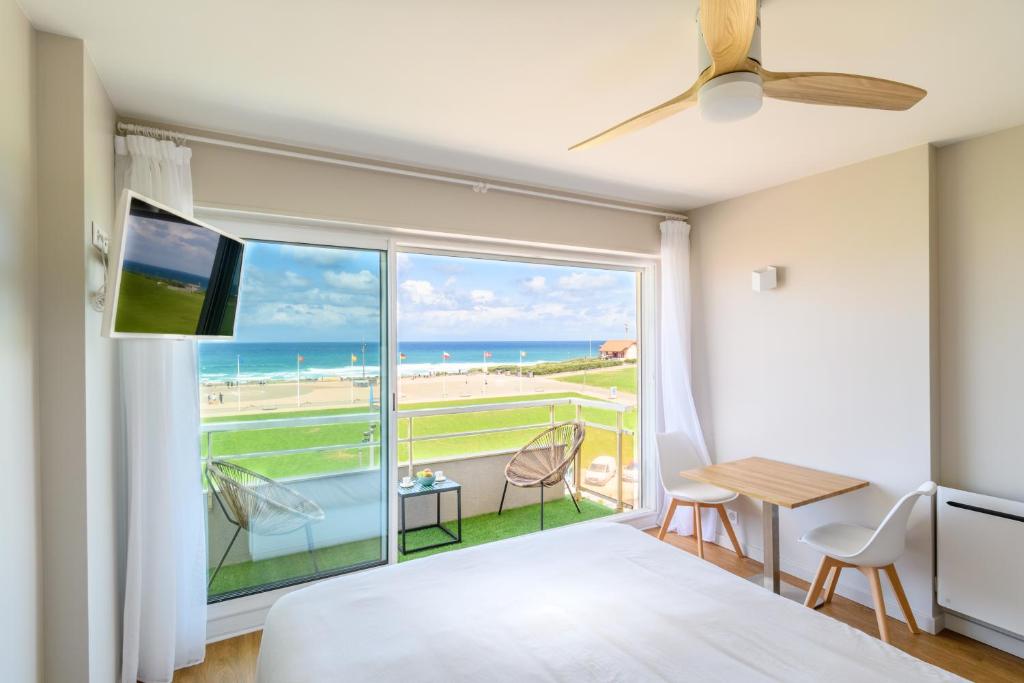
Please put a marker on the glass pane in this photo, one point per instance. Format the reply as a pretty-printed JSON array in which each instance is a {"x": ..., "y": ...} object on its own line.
[
  {"x": 504, "y": 350},
  {"x": 293, "y": 425}
]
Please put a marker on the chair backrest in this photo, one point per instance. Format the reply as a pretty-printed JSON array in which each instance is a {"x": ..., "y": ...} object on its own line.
[
  {"x": 257, "y": 503},
  {"x": 676, "y": 453},
  {"x": 890, "y": 538},
  {"x": 548, "y": 455}
]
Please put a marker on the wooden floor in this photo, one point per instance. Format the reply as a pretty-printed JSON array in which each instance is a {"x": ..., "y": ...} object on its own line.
[{"x": 234, "y": 660}]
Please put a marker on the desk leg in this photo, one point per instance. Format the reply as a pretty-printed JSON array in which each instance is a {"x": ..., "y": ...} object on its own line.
[{"x": 770, "y": 520}]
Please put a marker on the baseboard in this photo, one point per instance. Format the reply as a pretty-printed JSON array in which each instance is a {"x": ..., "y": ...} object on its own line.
[
  {"x": 984, "y": 633},
  {"x": 926, "y": 622}
]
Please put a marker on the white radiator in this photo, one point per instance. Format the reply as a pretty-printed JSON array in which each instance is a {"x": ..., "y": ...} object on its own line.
[{"x": 980, "y": 552}]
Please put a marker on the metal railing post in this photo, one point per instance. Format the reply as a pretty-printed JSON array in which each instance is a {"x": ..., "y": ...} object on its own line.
[
  {"x": 619, "y": 507},
  {"x": 410, "y": 445},
  {"x": 577, "y": 475}
]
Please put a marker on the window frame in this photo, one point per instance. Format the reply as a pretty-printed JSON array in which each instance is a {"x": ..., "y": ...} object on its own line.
[{"x": 229, "y": 618}]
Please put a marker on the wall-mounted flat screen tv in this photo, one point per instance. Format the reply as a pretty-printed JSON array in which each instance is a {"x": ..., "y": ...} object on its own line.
[{"x": 170, "y": 275}]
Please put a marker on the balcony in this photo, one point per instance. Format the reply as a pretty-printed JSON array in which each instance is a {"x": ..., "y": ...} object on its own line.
[{"x": 334, "y": 460}]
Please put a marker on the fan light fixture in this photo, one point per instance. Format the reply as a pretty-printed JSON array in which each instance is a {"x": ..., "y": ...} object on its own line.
[
  {"x": 732, "y": 81},
  {"x": 731, "y": 97}
]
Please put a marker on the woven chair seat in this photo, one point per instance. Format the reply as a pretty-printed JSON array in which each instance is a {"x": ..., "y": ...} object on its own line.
[
  {"x": 259, "y": 504},
  {"x": 545, "y": 460}
]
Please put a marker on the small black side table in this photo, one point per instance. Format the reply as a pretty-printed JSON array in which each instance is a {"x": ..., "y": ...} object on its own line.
[{"x": 437, "y": 489}]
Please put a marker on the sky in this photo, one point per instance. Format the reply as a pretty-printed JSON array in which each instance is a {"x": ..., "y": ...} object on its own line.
[
  {"x": 301, "y": 293},
  {"x": 166, "y": 244}
]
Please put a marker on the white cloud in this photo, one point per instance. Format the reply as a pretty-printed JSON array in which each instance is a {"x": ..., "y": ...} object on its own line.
[
  {"x": 423, "y": 293},
  {"x": 580, "y": 280},
  {"x": 537, "y": 283},
  {"x": 481, "y": 296},
  {"x": 321, "y": 256},
  {"x": 294, "y": 280},
  {"x": 313, "y": 315},
  {"x": 362, "y": 280},
  {"x": 450, "y": 282}
]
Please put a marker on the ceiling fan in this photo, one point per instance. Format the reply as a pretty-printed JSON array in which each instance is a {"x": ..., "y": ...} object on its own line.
[{"x": 732, "y": 81}]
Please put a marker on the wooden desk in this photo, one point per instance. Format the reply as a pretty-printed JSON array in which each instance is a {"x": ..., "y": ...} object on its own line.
[{"x": 774, "y": 483}]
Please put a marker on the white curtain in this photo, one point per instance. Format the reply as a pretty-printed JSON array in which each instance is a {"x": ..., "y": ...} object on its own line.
[
  {"x": 165, "y": 576},
  {"x": 678, "y": 409}
]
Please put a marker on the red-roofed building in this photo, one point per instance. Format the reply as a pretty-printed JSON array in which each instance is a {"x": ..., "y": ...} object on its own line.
[{"x": 619, "y": 348}]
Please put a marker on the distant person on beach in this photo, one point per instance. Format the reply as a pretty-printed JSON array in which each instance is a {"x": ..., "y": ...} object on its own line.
[{"x": 221, "y": 398}]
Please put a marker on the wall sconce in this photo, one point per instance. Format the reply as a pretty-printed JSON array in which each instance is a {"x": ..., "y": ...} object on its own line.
[{"x": 765, "y": 278}]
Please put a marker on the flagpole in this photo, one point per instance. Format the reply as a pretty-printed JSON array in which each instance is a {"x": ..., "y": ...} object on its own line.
[
  {"x": 352, "y": 379},
  {"x": 520, "y": 372},
  {"x": 444, "y": 374},
  {"x": 238, "y": 380},
  {"x": 298, "y": 360},
  {"x": 484, "y": 390}
]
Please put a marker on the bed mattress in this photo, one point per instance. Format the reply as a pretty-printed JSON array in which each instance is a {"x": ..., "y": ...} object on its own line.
[{"x": 592, "y": 602}]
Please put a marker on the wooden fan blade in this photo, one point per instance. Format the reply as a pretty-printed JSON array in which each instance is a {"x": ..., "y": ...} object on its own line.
[
  {"x": 662, "y": 111},
  {"x": 728, "y": 27},
  {"x": 843, "y": 90}
]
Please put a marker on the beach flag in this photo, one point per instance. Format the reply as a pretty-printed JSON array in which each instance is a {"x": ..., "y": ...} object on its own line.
[
  {"x": 522, "y": 354},
  {"x": 445, "y": 355},
  {"x": 487, "y": 354},
  {"x": 401, "y": 356},
  {"x": 299, "y": 358},
  {"x": 354, "y": 358}
]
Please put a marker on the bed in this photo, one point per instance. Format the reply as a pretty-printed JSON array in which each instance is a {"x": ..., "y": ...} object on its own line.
[{"x": 592, "y": 602}]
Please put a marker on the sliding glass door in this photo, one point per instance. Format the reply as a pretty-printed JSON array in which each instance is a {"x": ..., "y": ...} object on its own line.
[{"x": 294, "y": 420}]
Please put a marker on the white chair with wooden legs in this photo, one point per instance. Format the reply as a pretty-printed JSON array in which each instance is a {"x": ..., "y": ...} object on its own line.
[
  {"x": 675, "y": 454},
  {"x": 868, "y": 551}
]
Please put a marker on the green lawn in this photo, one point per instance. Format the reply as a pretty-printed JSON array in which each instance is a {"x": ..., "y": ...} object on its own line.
[
  {"x": 475, "y": 531},
  {"x": 623, "y": 378},
  {"x": 145, "y": 304},
  {"x": 329, "y": 460}
]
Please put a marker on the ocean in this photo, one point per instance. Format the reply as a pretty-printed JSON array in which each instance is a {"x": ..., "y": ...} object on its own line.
[
  {"x": 166, "y": 273},
  {"x": 277, "y": 360}
]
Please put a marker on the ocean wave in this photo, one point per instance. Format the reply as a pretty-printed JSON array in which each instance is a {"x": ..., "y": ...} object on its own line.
[{"x": 348, "y": 372}]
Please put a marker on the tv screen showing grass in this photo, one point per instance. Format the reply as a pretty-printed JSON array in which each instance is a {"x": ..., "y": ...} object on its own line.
[{"x": 178, "y": 277}]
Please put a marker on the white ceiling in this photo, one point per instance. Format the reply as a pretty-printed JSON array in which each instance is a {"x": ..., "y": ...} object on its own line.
[{"x": 500, "y": 88}]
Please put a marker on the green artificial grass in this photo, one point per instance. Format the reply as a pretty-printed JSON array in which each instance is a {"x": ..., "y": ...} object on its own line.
[
  {"x": 475, "y": 531},
  {"x": 624, "y": 379},
  {"x": 149, "y": 305},
  {"x": 509, "y": 524}
]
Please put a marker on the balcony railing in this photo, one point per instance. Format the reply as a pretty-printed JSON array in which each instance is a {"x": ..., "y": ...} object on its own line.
[{"x": 368, "y": 448}]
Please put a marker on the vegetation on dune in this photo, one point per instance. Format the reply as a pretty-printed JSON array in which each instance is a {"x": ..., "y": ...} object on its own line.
[{"x": 572, "y": 365}]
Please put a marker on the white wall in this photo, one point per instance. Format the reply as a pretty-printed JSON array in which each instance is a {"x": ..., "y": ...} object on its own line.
[
  {"x": 833, "y": 369},
  {"x": 981, "y": 252},
  {"x": 76, "y": 375},
  {"x": 102, "y": 400},
  {"x": 20, "y": 621}
]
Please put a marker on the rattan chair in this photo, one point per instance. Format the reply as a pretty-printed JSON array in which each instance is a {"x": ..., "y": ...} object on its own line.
[
  {"x": 544, "y": 461},
  {"x": 260, "y": 505}
]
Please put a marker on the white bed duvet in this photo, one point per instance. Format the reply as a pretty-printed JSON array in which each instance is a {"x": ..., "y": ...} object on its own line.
[{"x": 592, "y": 602}]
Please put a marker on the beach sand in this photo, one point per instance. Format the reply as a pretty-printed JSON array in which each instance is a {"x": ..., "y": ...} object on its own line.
[{"x": 340, "y": 393}]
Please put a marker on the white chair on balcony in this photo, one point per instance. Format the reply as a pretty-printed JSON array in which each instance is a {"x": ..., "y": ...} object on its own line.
[
  {"x": 260, "y": 505},
  {"x": 867, "y": 550},
  {"x": 544, "y": 462},
  {"x": 675, "y": 454}
]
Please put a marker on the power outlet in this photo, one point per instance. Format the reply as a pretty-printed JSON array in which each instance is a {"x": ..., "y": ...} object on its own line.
[
  {"x": 734, "y": 518},
  {"x": 100, "y": 240}
]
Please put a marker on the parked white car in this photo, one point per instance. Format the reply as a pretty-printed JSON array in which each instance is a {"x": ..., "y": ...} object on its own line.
[
  {"x": 631, "y": 473},
  {"x": 600, "y": 471}
]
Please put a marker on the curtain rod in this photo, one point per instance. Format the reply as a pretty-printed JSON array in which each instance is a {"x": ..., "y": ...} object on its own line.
[{"x": 479, "y": 186}]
